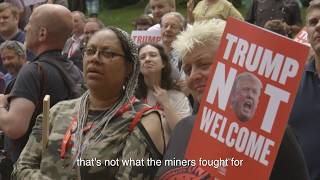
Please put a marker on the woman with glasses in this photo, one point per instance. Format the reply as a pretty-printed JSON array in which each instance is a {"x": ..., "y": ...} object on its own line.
[
  {"x": 93, "y": 137},
  {"x": 156, "y": 87}
]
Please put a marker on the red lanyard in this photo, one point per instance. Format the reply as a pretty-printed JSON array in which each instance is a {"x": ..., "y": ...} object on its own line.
[
  {"x": 67, "y": 136},
  {"x": 126, "y": 106},
  {"x": 157, "y": 106}
]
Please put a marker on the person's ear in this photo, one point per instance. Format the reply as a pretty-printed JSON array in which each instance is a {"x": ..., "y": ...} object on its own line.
[
  {"x": 43, "y": 34},
  {"x": 17, "y": 18},
  {"x": 164, "y": 64}
]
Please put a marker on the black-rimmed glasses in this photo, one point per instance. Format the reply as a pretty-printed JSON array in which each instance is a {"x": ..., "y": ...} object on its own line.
[{"x": 102, "y": 53}]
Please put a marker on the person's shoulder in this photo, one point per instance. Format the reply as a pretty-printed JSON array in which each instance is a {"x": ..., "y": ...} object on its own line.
[
  {"x": 34, "y": 68},
  {"x": 20, "y": 36},
  {"x": 27, "y": 69},
  {"x": 200, "y": 3},
  {"x": 177, "y": 96},
  {"x": 21, "y": 32},
  {"x": 290, "y": 158},
  {"x": 225, "y": 2},
  {"x": 67, "y": 104},
  {"x": 26, "y": 84},
  {"x": 156, "y": 127},
  {"x": 66, "y": 107},
  {"x": 48, "y": 63},
  {"x": 152, "y": 120},
  {"x": 63, "y": 112},
  {"x": 176, "y": 93},
  {"x": 186, "y": 122},
  {"x": 199, "y": 7}
]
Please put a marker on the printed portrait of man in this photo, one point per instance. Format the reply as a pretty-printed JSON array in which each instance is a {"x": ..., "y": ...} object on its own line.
[{"x": 245, "y": 95}]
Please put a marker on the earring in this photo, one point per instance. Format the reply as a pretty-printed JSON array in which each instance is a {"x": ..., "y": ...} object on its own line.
[{"x": 125, "y": 83}]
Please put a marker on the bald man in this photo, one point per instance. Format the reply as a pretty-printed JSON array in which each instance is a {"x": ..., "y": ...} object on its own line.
[
  {"x": 46, "y": 33},
  {"x": 72, "y": 48}
]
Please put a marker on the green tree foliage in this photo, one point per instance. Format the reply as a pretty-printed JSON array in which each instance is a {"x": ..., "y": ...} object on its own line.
[
  {"x": 305, "y": 3},
  {"x": 112, "y": 4}
]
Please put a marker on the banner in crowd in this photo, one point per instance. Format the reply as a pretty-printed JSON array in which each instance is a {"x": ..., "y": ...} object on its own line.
[
  {"x": 302, "y": 37},
  {"x": 140, "y": 37},
  {"x": 32, "y": 2},
  {"x": 246, "y": 105}
]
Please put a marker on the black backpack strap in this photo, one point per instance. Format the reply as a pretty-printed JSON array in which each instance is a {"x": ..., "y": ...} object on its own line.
[
  {"x": 70, "y": 83},
  {"x": 75, "y": 89},
  {"x": 10, "y": 86},
  {"x": 43, "y": 87}
]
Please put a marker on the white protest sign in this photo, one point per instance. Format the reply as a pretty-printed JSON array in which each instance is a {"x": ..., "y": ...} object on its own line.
[{"x": 140, "y": 37}]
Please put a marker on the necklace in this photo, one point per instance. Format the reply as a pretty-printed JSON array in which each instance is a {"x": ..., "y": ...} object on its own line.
[{"x": 81, "y": 142}]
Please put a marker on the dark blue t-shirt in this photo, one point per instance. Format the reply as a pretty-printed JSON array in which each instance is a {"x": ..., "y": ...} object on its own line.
[{"x": 305, "y": 118}]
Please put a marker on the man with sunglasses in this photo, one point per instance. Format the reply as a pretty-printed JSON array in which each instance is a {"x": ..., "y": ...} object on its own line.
[{"x": 46, "y": 32}]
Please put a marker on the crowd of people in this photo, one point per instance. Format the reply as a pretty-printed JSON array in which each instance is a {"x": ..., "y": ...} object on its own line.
[{"x": 114, "y": 100}]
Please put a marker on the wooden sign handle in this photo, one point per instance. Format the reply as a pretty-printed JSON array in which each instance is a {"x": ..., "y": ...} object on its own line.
[{"x": 45, "y": 121}]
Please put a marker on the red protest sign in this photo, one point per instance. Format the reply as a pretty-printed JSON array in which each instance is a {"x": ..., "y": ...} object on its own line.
[{"x": 245, "y": 108}]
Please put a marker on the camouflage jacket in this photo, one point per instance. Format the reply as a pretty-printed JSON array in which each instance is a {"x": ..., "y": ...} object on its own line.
[{"x": 117, "y": 143}]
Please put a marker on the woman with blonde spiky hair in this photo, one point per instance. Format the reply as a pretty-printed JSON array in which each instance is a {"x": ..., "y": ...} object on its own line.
[{"x": 196, "y": 47}]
